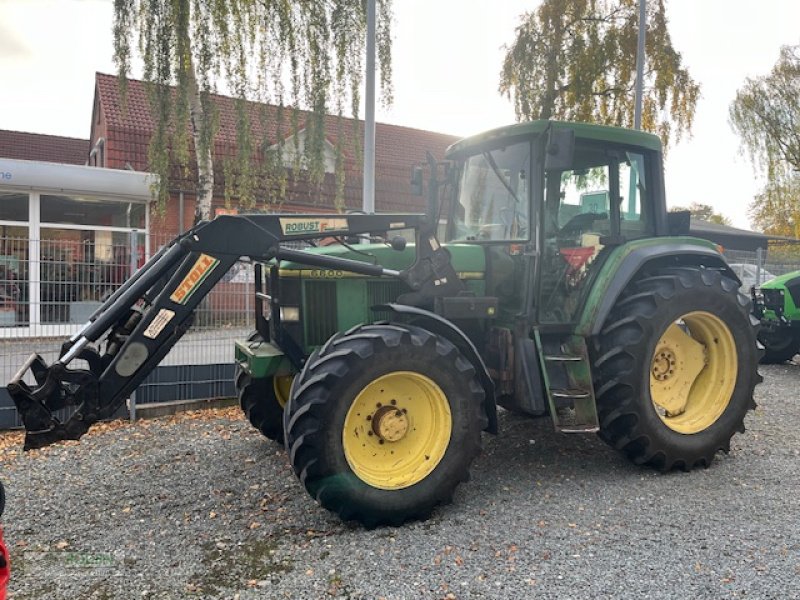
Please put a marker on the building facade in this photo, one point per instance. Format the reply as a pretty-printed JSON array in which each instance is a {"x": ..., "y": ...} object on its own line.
[
  {"x": 121, "y": 131},
  {"x": 69, "y": 235}
]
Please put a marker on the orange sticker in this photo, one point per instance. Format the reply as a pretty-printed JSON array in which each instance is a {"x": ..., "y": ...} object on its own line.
[{"x": 197, "y": 275}]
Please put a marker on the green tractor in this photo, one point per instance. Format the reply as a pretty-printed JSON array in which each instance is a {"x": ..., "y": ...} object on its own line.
[
  {"x": 777, "y": 304},
  {"x": 546, "y": 277},
  {"x": 566, "y": 303}
]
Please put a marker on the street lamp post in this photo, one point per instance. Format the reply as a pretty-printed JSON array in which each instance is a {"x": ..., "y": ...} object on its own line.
[
  {"x": 637, "y": 110},
  {"x": 369, "y": 115}
]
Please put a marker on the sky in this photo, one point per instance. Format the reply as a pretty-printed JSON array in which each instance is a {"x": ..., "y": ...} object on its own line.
[{"x": 446, "y": 56}]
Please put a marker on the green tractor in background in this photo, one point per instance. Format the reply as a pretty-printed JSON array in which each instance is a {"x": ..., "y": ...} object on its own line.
[
  {"x": 570, "y": 292},
  {"x": 777, "y": 304}
]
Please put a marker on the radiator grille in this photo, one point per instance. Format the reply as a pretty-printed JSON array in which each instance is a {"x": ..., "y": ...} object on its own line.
[
  {"x": 383, "y": 292},
  {"x": 319, "y": 314}
]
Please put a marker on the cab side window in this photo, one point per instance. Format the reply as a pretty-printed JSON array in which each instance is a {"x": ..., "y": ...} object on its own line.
[{"x": 634, "y": 199}]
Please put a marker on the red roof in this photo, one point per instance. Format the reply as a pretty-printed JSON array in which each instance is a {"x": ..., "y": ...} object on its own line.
[
  {"x": 48, "y": 148},
  {"x": 128, "y": 130}
]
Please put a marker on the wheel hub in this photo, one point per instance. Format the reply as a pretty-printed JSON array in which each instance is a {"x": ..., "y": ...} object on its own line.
[
  {"x": 693, "y": 372},
  {"x": 397, "y": 430},
  {"x": 390, "y": 423},
  {"x": 664, "y": 364}
]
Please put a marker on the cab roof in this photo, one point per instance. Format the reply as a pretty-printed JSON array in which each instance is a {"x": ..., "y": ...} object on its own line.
[{"x": 606, "y": 133}]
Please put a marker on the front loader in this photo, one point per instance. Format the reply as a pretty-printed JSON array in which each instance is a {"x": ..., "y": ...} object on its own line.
[{"x": 545, "y": 277}]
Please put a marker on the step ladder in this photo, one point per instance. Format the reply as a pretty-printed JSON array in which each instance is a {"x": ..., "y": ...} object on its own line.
[{"x": 568, "y": 380}]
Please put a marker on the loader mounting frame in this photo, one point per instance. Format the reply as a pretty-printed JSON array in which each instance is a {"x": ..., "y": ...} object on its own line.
[{"x": 146, "y": 316}]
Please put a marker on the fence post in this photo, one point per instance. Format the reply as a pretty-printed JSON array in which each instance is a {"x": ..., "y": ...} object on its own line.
[
  {"x": 759, "y": 264},
  {"x": 133, "y": 253}
]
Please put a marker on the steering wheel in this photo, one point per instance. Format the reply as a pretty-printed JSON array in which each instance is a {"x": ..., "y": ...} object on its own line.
[{"x": 581, "y": 222}]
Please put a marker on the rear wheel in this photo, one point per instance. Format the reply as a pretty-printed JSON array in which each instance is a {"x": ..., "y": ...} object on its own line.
[
  {"x": 675, "y": 368},
  {"x": 780, "y": 344},
  {"x": 384, "y": 422}
]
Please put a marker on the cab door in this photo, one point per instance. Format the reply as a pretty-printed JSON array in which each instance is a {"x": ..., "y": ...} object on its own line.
[{"x": 587, "y": 209}]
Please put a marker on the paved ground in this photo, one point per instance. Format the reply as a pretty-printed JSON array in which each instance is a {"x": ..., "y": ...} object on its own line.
[{"x": 203, "y": 507}]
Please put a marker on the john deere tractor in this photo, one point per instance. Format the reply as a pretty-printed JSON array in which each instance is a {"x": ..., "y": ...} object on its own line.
[{"x": 545, "y": 277}]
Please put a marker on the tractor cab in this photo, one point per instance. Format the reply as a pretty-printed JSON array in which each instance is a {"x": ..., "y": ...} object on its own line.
[{"x": 548, "y": 202}]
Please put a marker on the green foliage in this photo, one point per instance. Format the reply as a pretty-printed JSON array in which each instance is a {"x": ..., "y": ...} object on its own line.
[
  {"x": 766, "y": 115},
  {"x": 776, "y": 210},
  {"x": 705, "y": 212},
  {"x": 305, "y": 54},
  {"x": 576, "y": 60}
]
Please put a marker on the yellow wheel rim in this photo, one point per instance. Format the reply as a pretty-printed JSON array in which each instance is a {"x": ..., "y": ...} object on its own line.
[
  {"x": 282, "y": 384},
  {"x": 693, "y": 372},
  {"x": 397, "y": 430}
]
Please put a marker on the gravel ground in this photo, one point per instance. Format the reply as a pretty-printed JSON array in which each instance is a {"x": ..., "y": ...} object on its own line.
[{"x": 202, "y": 506}]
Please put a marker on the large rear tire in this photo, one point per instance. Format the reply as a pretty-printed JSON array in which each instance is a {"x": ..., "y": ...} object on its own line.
[
  {"x": 780, "y": 345},
  {"x": 384, "y": 422},
  {"x": 675, "y": 367}
]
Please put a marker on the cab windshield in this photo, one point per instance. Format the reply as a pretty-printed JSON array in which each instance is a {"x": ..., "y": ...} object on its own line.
[{"x": 493, "y": 196}]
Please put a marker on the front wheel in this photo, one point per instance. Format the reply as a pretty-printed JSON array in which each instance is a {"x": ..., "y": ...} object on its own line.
[
  {"x": 780, "y": 344},
  {"x": 383, "y": 423},
  {"x": 262, "y": 399},
  {"x": 262, "y": 402},
  {"x": 675, "y": 368}
]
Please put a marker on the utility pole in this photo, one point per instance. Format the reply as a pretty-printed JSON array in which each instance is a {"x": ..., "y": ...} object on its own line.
[
  {"x": 637, "y": 110},
  {"x": 369, "y": 114}
]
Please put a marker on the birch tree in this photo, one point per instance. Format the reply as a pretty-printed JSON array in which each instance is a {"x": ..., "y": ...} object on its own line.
[
  {"x": 307, "y": 54},
  {"x": 576, "y": 60}
]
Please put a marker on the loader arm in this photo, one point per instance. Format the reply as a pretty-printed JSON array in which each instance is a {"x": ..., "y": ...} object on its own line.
[{"x": 136, "y": 327}]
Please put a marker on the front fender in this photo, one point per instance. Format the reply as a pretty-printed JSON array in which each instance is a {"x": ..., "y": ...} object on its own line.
[{"x": 441, "y": 326}]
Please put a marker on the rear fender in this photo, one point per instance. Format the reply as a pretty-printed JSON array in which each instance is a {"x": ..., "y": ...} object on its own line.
[
  {"x": 440, "y": 326},
  {"x": 621, "y": 268}
]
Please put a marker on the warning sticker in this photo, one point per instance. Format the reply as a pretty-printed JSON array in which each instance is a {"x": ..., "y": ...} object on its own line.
[{"x": 157, "y": 325}]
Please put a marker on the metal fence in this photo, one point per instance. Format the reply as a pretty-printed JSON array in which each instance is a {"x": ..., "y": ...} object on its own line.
[
  {"x": 754, "y": 268},
  {"x": 50, "y": 287}
]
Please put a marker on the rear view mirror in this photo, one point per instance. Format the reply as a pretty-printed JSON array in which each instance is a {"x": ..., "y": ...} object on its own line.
[{"x": 559, "y": 150}]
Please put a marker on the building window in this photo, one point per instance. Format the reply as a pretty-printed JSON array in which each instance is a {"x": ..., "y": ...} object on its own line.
[
  {"x": 293, "y": 153},
  {"x": 80, "y": 268},
  {"x": 85, "y": 252},
  {"x": 14, "y": 254},
  {"x": 13, "y": 207},
  {"x": 57, "y": 268},
  {"x": 76, "y": 210}
]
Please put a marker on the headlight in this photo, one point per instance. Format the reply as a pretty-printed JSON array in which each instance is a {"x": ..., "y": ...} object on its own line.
[{"x": 290, "y": 313}]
